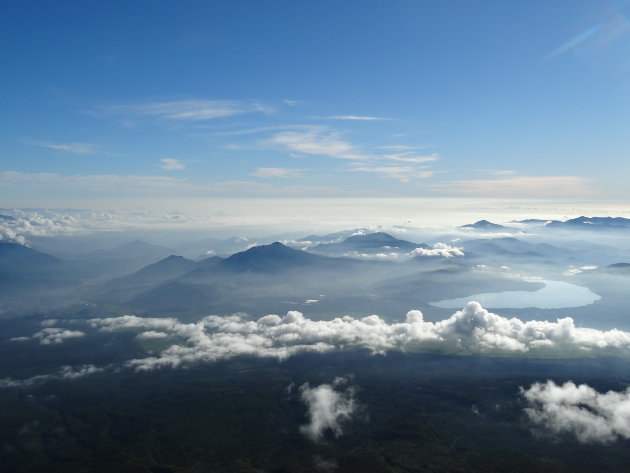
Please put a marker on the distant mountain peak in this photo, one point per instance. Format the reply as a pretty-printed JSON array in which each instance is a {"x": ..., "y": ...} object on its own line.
[{"x": 483, "y": 224}]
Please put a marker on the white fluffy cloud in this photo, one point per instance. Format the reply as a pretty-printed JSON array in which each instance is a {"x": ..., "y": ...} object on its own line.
[
  {"x": 471, "y": 330},
  {"x": 574, "y": 270},
  {"x": 51, "y": 335},
  {"x": 439, "y": 249},
  {"x": 590, "y": 416},
  {"x": 65, "y": 373},
  {"x": 329, "y": 405}
]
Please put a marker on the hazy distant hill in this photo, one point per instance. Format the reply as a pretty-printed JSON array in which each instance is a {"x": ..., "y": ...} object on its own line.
[
  {"x": 379, "y": 242},
  {"x": 509, "y": 246},
  {"x": 136, "y": 250},
  {"x": 335, "y": 237},
  {"x": 164, "y": 270},
  {"x": 173, "y": 296},
  {"x": 618, "y": 268},
  {"x": 24, "y": 270},
  {"x": 21, "y": 261},
  {"x": 486, "y": 225},
  {"x": 274, "y": 258},
  {"x": 591, "y": 223},
  {"x": 212, "y": 246}
]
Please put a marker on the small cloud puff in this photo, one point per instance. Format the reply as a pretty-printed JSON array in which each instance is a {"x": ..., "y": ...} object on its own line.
[
  {"x": 439, "y": 249},
  {"x": 328, "y": 407},
  {"x": 573, "y": 270},
  {"x": 580, "y": 411}
]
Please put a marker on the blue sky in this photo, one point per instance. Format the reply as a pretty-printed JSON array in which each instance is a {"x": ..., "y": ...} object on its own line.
[{"x": 136, "y": 102}]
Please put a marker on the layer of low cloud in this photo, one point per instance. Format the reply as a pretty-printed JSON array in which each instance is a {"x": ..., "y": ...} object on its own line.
[
  {"x": 18, "y": 225},
  {"x": 329, "y": 406},
  {"x": 579, "y": 411},
  {"x": 51, "y": 335},
  {"x": 65, "y": 373},
  {"x": 471, "y": 330}
]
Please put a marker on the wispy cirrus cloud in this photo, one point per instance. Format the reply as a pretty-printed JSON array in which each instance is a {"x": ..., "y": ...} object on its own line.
[
  {"x": 187, "y": 110},
  {"x": 73, "y": 148},
  {"x": 171, "y": 164},
  {"x": 356, "y": 117},
  {"x": 398, "y": 147},
  {"x": 283, "y": 173},
  {"x": 317, "y": 142},
  {"x": 614, "y": 27},
  {"x": 410, "y": 157},
  {"x": 501, "y": 172},
  {"x": 403, "y": 173},
  {"x": 520, "y": 186},
  {"x": 109, "y": 185}
]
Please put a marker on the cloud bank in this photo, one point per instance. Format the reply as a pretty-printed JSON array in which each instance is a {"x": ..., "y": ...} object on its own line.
[
  {"x": 580, "y": 411},
  {"x": 471, "y": 330},
  {"x": 66, "y": 372},
  {"x": 329, "y": 405}
]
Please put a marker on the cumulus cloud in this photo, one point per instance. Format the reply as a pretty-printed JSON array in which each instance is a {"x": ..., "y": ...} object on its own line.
[
  {"x": 580, "y": 411},
  {"x": 134, "y": 323},
  {"x": 170, "y": 164},
  {"x": 439, "y": 249},
  {"x": 66, "y": 372},
  {"x": 329, "y": 405},
  {"x": 152, "y": 335},
  {"x": 471, "y": 330},
  {"x": 380, "y": 256},
  {"x": 51, "y": 335}
]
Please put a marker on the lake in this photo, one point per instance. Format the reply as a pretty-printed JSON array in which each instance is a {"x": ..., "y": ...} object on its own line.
[{"x": 555, "y": 295}]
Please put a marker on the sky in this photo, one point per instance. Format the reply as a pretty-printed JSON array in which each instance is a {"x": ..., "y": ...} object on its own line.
[{"x": 241, "y": 104}]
